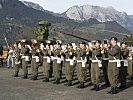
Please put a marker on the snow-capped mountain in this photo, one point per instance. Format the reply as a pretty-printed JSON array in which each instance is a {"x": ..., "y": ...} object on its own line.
[{"x": 100, "y": 13}]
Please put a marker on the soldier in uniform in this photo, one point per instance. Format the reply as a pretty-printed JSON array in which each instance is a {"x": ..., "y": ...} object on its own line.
[
  {"x": 81, "y": 64},
  {"x": 57, "y": 70},
  {"x": 104, "y": 52},
  {"x": 69, "y": 64},
  {"x": 17, "y": 60},
  {"x": 113, "y": 65},
  {"x": 130, "y": 65},
  {"x": 25, "y": 58},
  {"x": 35, "y": 50},
  {"x": 47, "y": 61},
  {"x": 95, "y": 65},
  {"x": 124, "y": 64}
]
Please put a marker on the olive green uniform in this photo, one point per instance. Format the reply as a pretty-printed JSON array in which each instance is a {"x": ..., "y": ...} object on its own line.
[
  {"x": 25, "y": 52},
  {"x": 105, "y": 66},
  {"x": 123, "y": 68},
  {"x": 47, "y": 64},
  {"x": 95, "y": 69},
  {"x": 130, "y": 66},
  {"x": 17, "y": 61},
  {"x": 34, "y": 63},
  {"x": 57, "y": 65},
  {"x": 81, "y": 70},
  {"x": 69, "y": 66},
  {"x": 113, "y": 70}
]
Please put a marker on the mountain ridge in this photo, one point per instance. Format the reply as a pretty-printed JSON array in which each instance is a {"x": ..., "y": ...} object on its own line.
[{"x": 102, "y": 14}]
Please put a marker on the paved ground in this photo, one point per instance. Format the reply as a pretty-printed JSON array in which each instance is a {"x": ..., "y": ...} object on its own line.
[{"x": 25, "y": 89}]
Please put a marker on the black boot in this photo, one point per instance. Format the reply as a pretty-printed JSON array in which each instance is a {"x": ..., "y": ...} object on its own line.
[
  {"x": 58, "y": 81},
  {"x": 110, "y": 90},
  {"x": 106, "y": 85},
  {"x": 81, "y": 86},
  {"x": 94, "y": 87},
  {"x": 34, "y": 78},
  {"x": 66, "y": 84},
  {"x": 69, "y": 83},
  {"x": 25, "y": 76},
  {"x": 55, "y": 81},
  {"x": 97, "y": 87},
  {"x": 114, "y": 91},
  {"x": 16, "y": 75},
  {"x": 50, "y": 74},
  {"x": 46, "y": 80},
  {"x": 130, "y": 78},
  {"x": 122, "y": 87}
]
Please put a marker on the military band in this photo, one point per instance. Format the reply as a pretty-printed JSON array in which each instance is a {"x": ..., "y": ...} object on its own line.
[{"x": 108, "y": 58}]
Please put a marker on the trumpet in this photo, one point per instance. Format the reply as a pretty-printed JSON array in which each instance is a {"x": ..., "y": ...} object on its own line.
[
  {"x": 102, "y": 50},
  {"x": 130, "y": 56},
  {"x": 38, "y": 50}
]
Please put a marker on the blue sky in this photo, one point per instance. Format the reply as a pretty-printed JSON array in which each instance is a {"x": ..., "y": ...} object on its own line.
[{"x": 59, "y": 6}]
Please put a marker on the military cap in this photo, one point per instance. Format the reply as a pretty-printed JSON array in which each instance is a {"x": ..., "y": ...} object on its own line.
[
  {"x": 105, "y": 41},
  {"x": 114, "y": 38},
  {"x": 82, "y": 42},
  {"x": 58, "y": 42},
  {"x": 69, "y": 44},
  {"x": 124, "y": 43},
  {"x": 98, "y": 41}
]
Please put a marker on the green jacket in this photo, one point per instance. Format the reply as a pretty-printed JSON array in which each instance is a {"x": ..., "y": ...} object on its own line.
[{"x": 114, "y": 52}]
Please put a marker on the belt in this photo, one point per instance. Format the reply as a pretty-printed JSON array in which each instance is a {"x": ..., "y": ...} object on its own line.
[
  {"x": 96, "y": 61},
  {"x": 113, "y": 61},
  {"x": 24, "y": 56},
  {"x": 117, "y": 61},
  {"x": 35, "y": 57},
  {"x": 46, "y": 57},
  {"x": 105, "y": 58},
  {"x": 71, "y": 61}
]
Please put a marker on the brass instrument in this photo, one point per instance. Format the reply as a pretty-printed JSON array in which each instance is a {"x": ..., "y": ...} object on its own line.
[
  {"x": 49, "y": 51},
  {"x": 88, "y": 51},
  {"x": 130, "y": 56},
  {"x": 102, "y": 50}
]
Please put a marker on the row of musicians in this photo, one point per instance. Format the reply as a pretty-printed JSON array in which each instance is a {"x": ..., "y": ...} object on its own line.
[{"x": 111, "y": 58}]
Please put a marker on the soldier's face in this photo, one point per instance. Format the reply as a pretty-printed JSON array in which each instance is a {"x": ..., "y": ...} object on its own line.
[
  {"x": 47, "y": 46},
  {"x": 113, "y": 42},
  {"x": 97, "y": 44},
  {"x": 81, "y": 45},
  {"x": 57, "y": 46},
  {"x": 15, "y": 46},
  {"x": 123, "y": 46},
  {"x": 69, "y": 47}
]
